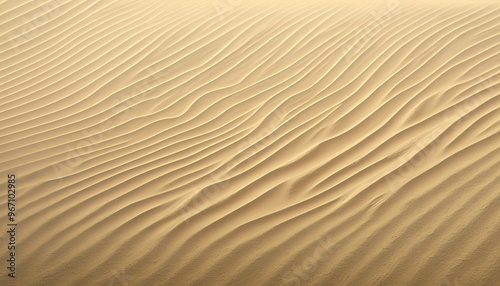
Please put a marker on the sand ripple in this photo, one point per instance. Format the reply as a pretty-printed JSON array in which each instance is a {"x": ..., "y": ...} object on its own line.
[{"x": 300, "y": 144}]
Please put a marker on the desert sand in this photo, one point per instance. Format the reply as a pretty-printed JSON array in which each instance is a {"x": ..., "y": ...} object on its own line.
[{"x": 236, "y": 142}]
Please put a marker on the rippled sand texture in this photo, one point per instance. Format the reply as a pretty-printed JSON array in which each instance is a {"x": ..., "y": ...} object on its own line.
[{"x": 238, "y": 144}]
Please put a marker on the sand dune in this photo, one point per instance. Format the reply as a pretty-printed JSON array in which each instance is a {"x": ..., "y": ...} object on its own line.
[{"x": 245, "y": 143}]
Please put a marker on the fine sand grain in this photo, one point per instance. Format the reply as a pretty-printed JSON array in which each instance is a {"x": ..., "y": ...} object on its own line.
[{"x": 238, "y": 142}]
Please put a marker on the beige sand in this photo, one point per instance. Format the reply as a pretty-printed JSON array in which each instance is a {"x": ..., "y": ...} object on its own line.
[{"x": 232, "y": 142}]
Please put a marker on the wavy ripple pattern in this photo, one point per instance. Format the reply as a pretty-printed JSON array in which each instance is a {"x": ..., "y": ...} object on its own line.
[{"x": 225, "y": 143}]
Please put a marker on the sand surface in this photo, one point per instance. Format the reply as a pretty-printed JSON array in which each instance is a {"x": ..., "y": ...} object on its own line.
[{"x": 236, "y": 142}]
